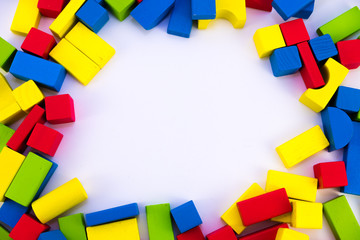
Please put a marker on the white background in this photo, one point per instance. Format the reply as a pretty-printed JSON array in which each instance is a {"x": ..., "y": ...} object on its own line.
[{"x": 171, "y": 119}]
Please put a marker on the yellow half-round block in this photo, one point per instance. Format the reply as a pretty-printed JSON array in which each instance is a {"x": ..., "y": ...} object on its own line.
[
  {"x": 285, "y": 218},
  {"x": 268, "y": 39},
  {"x": 307, "y": 215},
  {"x": 126, "y": 229},
  {"x": 303, "y": 146},
  {"x": 59, "y": 200},
  {"x": 9, "y": 108},
  {"x": 289, "y": 234},
  {"x": 28, "y": 95},
  {"x": 334, "y": 74},
  {"x": 27, "y": 16},
  {"x": 232, "y": 216}
]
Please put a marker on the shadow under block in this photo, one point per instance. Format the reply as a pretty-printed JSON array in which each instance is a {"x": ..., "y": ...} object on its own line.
[
  {"x": 323, "y": 47},
  {"x": 59, "y": 200},
  {"x": 341, "y": 219},
  {"x": 51, "y": 8},
  {"x": 349, "y": 53},
  {"x": 5, "y": 135},
  {"x": 289, "y": 234},
  {"x": 120, "y": 9},
  {"x": 126, "y": 229},
  {"x": 268, "y": 39},
  {"x": 302, "y": 147},
  {"x": 285, "y": 61},
  {"x": 294, "y": 32},
  {"x": 180, "y": 23},
  {"x": 66, "y": 19},
  {"x": 93, "y": 15},
  {"x": 38, "y": 43},
  {"x": 73, "y": 227},
  {"x": 27, "y": 95},
  {"x": 193, "y": 234},
  {"x": 297, "y": 186},
  {"x": 334, "y": 74},
  {"x": 265, "y": 234},
  {"x": 307, "y": 215},
  {"x": 225, "y": 232},
  {"x": 9, "y": 108},
  {"x": 203, "y": 9},
  {"x": 159, "y": 222},
  {"x": 288, "y": 9},
  {"x": 52, "y": 235},
  {"x": 232, "y": 216},
  {"x": 4, "y": 234},
  {"x": 75, "y": 62},
  {"x": 342, "y": 26},
  {"x": 186, "y": 216},
  {"x": 331, "y": 174},
  {"x": 28, "y": 228},
  {"x": 11, "y": 212},
  {"x": 27, "y": 16},
  {"x": 348, "y": 99},
  {"x": 264, "y": 5},
  {"x": 60, "y": 109},
  {"x": 7, "y": 54}
]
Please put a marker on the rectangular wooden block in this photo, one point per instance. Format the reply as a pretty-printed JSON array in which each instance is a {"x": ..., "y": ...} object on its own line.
[
  {"x": 289, "y": 234},
  {"x": 288, "y": 9},
  {"x": 27, "y": 95},
  {"x": 28, "y": 228},
  {"x": 331, "y": 174},
  {"x": 349, "y": 53},
  {"x": 27, "y": 16},
  {"x": 51, "y": 172},
  {"x": 265, "y": 234},
  {"x": 9, "y": 108},
  {"x": 307, "y": 215},
  {"x": 180, "y": 23},
  {"x": 225, "y": 232},
  {"x": 203, "y": 9},
  {"x": 126, "y": 229},
  {"x": 193, "y": 234},
  {"x": 159, "y": 222},
  {"x": 5, "y": 134},
  {"x": 7, "y": 54},
  {"x": 73, "y": 227},
  {"x": 348, "y": 99}
]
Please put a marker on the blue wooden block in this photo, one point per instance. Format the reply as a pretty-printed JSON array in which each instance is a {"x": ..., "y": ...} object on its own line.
[
  {"x": 306, "y": 12},
  {"x": 285, "y": 61},
  {"x": 93, "y": 15},
  {"x": 338, "y": 127},
  {"x": 180, "y": 23},
  {"x": 11, "y": 212},
  {"x": 151, "y": 12},
  {"x": 101, "y": 2},
  {"x": 52, "y": 235},
  {"x": 323, "y": 47},
  {"x": 186, "y": 216},
  {"x": 47, "y": 74},
  {"x": 47, "y": 178},
  {"x": 112, "y": 215},
  {"x": 203, "y": 9},
  {"x": 348, "y": 99},
  {"x": 288, "y": 9}
]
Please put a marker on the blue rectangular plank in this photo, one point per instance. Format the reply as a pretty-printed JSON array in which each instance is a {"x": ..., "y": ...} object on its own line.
[
  {"x": 203, "y": 9},
  {"x": 180, "y": 23},
  {"x": 288, "y": 9}
]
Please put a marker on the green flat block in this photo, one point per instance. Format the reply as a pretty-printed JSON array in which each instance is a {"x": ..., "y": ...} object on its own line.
[
  {"x": 120, "y": 8},
  {"x": 5, "y": 134},
  {"x": 342, "y": 26},
  {"x": 4, "y": 234},
  {"x": 73, "y": 227},
  {"x": 28, "y": 179},
  {"x": 7, "y": 54},
  {"x": 159, "y": 222},
  {"x": 341, "y": 219}
]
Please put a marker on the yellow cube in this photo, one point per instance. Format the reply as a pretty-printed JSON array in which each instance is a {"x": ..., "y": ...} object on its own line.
[
  {"x": 28, "y": 95},
  {"x": 268, "y": 39},
  {"x": 9, "y": 109},
  {"x": 307, "y": 215},
  {"x": 27, "y": 16},
  {"x": 126, "y": 229},
  {"x": 289, "y": 234}
]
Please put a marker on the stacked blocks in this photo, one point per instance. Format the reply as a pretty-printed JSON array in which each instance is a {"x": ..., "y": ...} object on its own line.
[
  {"x": 186, "y": 216},
  {"x": 289, "y": 234},
  {"x": 9, "y": 108},
  {"x": 126, "y": 229},
  {"x": 5, "y": 134},
  {"x": 27, "y": 16},
  {"x": 307, "y": 215},
  {"x": 73, "y": 227},
  {"x": 11, "y": 212},
  {"x": 51, "y": 8},
  {"x": 294, "y": 32},
  {"x": 52, "y": 235},
  {"x": 7, "y": 54},
  {"x": 27, "y": 228},
  {"x": 192, "y": 234},
  {"x": 348, "y": 99},
  {"x": 120, "y": 9},
  {"x": 203, "y": 9},
  {"x": 93, "y": 15},
  {"x": 288, "y": 9},
  {"x": 264, "y": 5},
  {"x": 28, "y": 95},
  {"x": 285, "y": 61},
  {"x": 331, "y": 174},
  {"x": 45, "y": 139},
  {"x": 268, "y": 39},
  {"x": 60, "y": 109},
  {"x": 180, "y": 23},
  {"x": 159, "y": 222},
  {"x": 323, "y": 47},
  {"x": 349, "y": 53},
  {"x": 225, "y": 232},
  {"x": 267, "y": 233},
  {"x": 38, "y": 43}
]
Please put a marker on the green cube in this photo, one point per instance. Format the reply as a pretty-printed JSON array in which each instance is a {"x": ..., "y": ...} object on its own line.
[
  {"x": 7, "y": 54},
  {"x": 120, "y": 8},
  {"x": 73, "y": 227},
  {"x": 159, "y": 222},
  {"x": 5, "y": 134}
]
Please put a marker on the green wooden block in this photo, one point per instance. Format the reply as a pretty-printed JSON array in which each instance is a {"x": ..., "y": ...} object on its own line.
[
  {"x": 341, "y": 219},
  {"x": 120, "y": 8},
  {"x": 342, "y": 26},
  {"x": 28, "y": 179},
  {"x": 73, "y": 227},
  {"x": 159, "y": 222},
  {"x": 5, "y": 134},
  {"x": 4, "y": 234},
  {"x": 7, "y": 54}
]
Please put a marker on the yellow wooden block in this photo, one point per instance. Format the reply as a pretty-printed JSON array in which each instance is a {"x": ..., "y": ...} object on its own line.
[
  {"x": 297, "y": 187},
  {"x": 89, "y": 43},
  {"x": 307, "y": 215},
  {"x": 289, "y": 234},
  {"x": 285, "y": 218},
  {"x": 10, "y": 162},
  {"x": 74, "y": 61},
  {"x": 334, "y": 74},
  {"x": 66, "y": 19},
  {"x": 268, "y": 39},
  {"x": 9, "y": 108},
  {"x": 303, "y": 146},
  {"x": 125, "y": 230},
  {"x": 28, "y": 95},
  {"x": 232, "y": 216},
  {"x": 27, "y": 16}
]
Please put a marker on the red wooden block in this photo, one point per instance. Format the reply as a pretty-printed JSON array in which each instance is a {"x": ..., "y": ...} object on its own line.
[
  {"x": 310, "y": 71},
  {"x": 38, "y": 43},
  {"x": 18, "y": 140},
  {"x": 266, "y": 234},
  {"x": 45, "y": 139},
  {"x": 349, "y": 53},
  {"x": 264, "y": 5},
  {"x": 59, "y": 109},
  {"x": 264, "y": 207},
  {"x": 294, "y": 32},
  {"x": 51, "y": 8},
  {"x": 224, "y": 233},
  {"x": 27, "y": 228},
  {"x": 193, "y": 234},
  {"x": 331, "y": 174}
]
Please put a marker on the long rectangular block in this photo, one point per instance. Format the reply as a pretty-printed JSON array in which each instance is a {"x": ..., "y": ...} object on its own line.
[
  {"x": 73, "y": 227},
  {"x": 7, "y": 54},
  {"x": 203, "y": 9},
  {"x": 126, "y": 229},
  {"x": 11, "y": 212},
  {"x": 9, "y": 108},
  {"x": 27, "y": 16},
  {"x": 5, "y": 134},
  {"x": 159, "y": 222},
  {"x": 265, "y": 234},
  {"x": 51, "y": 172},
  {"x": 180, "y": 23}
]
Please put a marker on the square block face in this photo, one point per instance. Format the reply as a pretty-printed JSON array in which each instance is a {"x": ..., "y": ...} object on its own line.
[
  {"x": 60, "y": 109},
  {"x": 193, "y": 234},
  {"x": 222, "y": 233},
  {"x": 7, "y": 54},
  {"x": 93, "y": 15},
  {"x": 28, "y": 95},
  {"x": 186, "y": 216},
  {"x": 51, "y": 8},
  {"x": 268, "y": 39},
  {"x": 307, "y": 215},
  {"x": 38, "y": 43},
  {"x": 73, "y": 227},
  {"x": 323, "y": 47},
  {"x": 52, "y": 235},
  {"x": 294, "y": 32},
  {"x": 348, "y": 53},
  {"x": 28, "y": 228},
  {"x": 331, "y": 174},
  {"x": 285, "y": 61},
  {"x": 11, "y": 212}
]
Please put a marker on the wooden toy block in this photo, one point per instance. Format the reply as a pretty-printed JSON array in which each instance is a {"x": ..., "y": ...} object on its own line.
[
  {"x": 73, "y": 227},
  {"x": 51, "y": 8},
  {"x": 307, "y": 215},
  {"x": 331, "y": 174},
  {"x": 341, "y": 219},
  {"x": 38, "y": 43},
  {"x": 27, "y": 95},
  {"x": 11, "y": 212},
  {"x": 159, "y": 222},
  {"x": 5, "y": 134},
  {"x": 126, "y": 229},
  {"x": 28, "y": 179},
  {"x": 232, "y": 216},
  {"x": 348, "y": 99},
  {"x": 192, "y": 234},
  {"x": 186, "y": 216},
  {"x": 264, "y": 5},
  {"x": 349, "y": 53},
  {"x": 297, "y": 187},
  {"x": 10, "y": 110},
  {"x": 10, "y": 163},
  {"x": 203, "y": 9},
  {"x": 90, "y": 44},
  {"x": 224, "y": 233},
  {"x": 180, "y": 23},
  {"x": 52, "y": 235},
  {"x": 306, "y": 12},
  {"x": 342, "y": 26},
  {"x": 59, "y": 200},
  {"x": 93, "y": 15},
  {"x": 294, "y": 32},
  {"x": 264, "y": 207},
  {"x": 268, "y": 39},
  {"x": 45, "y": 139},
  {"x": 27, "y": 228},
  {"x": 323, "y": 47},
  {"x": 289, "y": 234},
  {"x": 120, "y": 9},
  {"x": 60, "y": 109},
  {"x": 7, "y": 54},
  {"x": 285, "y": 218},
  {"x": 4, "y": 234},
  {"x": 27, "y": 16},
  {"x": 285, "y": 61},
  {"x": 52, "y": 170},
  {"x": 338, "y": 127},
  {"x": 265, "y": 234},
  {"x": 76, "y": 63},
  {"x": 66, "y": 19},
  {"x": 302, "y": 146},
  {"x": 288, "y": 9},
  {"x": 45, "y": 73},
  {"x": 112, "y": 215},
  {"x": 317, "y": 99}
]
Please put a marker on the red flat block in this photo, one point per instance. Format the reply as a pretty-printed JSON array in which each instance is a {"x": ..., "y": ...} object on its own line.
[
  {"x": 264, "y": 207},
  {"x": 51, "y": 8},
  {"x": 310, "y": 71},
  {"x": 27, "y": 228},
  {"x": 264, "y": 5},
  {"x": 266, "y": 234},
  {"x": 331, "y": 174},
  {"x": 294, "y": 32},
  {"x": 18, "y": 140},
  {"x": 349, "y": 53},
  {"x": 193, "y": 234},
  {"x": 224, "y": 233},
  {"x": 45, "y": 139},
  {"x": 38, "y": 43},
  {"x": 59, "y": 109}
]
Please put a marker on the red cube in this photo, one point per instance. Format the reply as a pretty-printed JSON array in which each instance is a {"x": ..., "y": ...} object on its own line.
[
  {"x": 38, "y": 43},
  {"x": 27, "y": 228},
  {"x": 224, "y": 233},
  {"x": 294, "y": 32},
  {"x": 192, "y": 234},
  {"x": 59, "y": 109},
  {"x": 331, "y": 174},
  {"x": 349, "y": 53},
  {"x": 51, "y": 8}
]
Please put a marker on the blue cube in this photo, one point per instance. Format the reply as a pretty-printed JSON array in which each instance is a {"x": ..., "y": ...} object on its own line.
[
  {"x": 186, "y": 216},
  {"x": 52, "y": 235},
  {"x": 323, "y": 47},
  {"x": 348, "y": 99},
  {"x": 285, "y": 61},
  {"x": 11, "y": 212},
  {"x": 93, "y": 15}
]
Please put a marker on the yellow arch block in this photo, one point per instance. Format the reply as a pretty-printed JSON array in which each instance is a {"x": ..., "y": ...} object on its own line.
[
  {"x": 27, "y": 16},
  {"x": 289, "y": 234},
  {"x": 268, "y": 39},
  {"x": 126, "y": 230}
]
